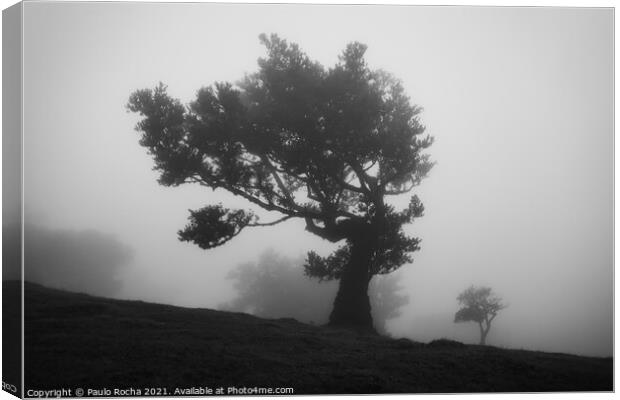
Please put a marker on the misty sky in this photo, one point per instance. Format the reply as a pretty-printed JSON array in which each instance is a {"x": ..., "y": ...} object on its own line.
[{"x": 519, "y": 100}]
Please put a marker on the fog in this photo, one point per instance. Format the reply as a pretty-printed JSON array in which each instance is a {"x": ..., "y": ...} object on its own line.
[
  {"x": 80, "y": 261},
  {"x": 275, "y": 287},
  {"x": 519, "y": 100}
]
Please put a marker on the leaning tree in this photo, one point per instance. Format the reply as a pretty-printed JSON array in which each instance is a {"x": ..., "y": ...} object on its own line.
[
  {"x": 480, "y": 305},
  {"x": 302, "y": 141}
]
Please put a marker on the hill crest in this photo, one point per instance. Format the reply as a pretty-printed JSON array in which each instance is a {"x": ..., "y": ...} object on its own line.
[{"x": 81, "y": 340}]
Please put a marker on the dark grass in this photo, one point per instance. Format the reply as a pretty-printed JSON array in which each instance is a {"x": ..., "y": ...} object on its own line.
[{"x": 74, "y": 340}]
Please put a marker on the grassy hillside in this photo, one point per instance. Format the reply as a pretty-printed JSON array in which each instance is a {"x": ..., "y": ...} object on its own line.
[{"x": 74, "y": 340}]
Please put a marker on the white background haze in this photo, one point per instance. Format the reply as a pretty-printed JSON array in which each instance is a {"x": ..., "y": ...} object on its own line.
[{"x": 519, "y": 100}]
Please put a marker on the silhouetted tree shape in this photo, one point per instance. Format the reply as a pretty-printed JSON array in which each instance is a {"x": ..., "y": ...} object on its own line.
[
  {"x": 479, "y": 305},
  {"x": 275, "y": 287},
  {"x": 324, "y": 145}
]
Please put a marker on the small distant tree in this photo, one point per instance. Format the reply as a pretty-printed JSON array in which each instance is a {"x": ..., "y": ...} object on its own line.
[{"x": 481, "y": 305}]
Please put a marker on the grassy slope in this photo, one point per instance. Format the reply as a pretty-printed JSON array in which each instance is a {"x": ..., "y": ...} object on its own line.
[{"x": 77, "y": 340}]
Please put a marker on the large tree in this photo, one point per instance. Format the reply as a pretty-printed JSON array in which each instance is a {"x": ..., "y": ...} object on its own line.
[{"x": 325, "y": 145}]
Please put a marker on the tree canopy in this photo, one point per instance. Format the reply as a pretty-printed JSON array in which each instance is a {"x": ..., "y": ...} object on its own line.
[
  {"x": 327, "y": 145},
  {"x": 480, "y": 305}
]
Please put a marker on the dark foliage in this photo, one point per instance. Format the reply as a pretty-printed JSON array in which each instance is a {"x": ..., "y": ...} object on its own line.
[{"x": 295, "y": 138}]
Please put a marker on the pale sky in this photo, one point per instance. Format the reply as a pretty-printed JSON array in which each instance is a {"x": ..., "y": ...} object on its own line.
[{"x": 519, "y": 100}]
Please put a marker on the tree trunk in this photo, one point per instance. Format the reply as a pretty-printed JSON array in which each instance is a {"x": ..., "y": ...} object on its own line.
[
  {"x": 483, "y": 335},
  {"x": 484, "y": 332},
  {"x": 352, "y": 305}
]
